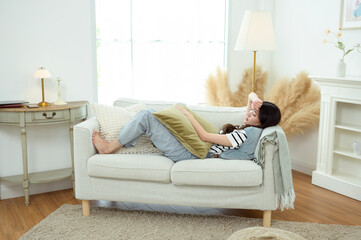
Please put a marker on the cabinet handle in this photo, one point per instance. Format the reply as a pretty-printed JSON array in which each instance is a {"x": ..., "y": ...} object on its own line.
[{"x": 46, "y": 116}]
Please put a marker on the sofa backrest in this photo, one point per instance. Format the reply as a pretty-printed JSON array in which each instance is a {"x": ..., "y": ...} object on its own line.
[
  {"x": 156, "y": 105},
  {"x": 221, "y": 115},
  {"x": 216, "y": 115}
]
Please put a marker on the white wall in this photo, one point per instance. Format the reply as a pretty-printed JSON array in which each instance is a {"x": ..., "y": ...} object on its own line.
[
  {"x": 300, "y": 28},
  {"x": 58, "y": 35}
]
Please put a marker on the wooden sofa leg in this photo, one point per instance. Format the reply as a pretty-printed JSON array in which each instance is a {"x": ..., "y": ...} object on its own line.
[
  {"x": 86, "y": 207},
  {"x": 267, "y": 218}
]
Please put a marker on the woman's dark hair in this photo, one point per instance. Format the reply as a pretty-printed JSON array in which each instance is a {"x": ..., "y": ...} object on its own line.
[
  {"x": 228, "y": 128},
  {"x": 269, "y": 115}
]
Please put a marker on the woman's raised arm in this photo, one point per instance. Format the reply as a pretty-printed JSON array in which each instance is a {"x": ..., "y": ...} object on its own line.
[
  {"x": 253, "y": 102},
  {"x": 203, "y": 134}
]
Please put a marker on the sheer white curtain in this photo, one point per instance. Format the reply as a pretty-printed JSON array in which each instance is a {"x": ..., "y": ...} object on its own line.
[{"x": 159, "y": 49}]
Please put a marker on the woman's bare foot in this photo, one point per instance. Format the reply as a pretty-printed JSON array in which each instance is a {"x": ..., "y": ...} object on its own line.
[
  {"x": 103, "y": 146},
  {"x": 100, "y": 144}
]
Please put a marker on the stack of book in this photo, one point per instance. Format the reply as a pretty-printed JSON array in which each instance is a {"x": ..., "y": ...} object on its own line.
[{"x": 13, "y": 104}]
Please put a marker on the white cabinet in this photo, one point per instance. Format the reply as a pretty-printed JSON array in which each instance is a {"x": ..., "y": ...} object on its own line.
[{"x": 338, "y": 167}]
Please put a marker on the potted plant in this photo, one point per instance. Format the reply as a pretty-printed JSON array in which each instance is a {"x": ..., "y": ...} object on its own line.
[{"x": 338, "y": 43}]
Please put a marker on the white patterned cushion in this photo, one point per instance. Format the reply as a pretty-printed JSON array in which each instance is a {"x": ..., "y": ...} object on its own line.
[{"x": 112, "y": 119}]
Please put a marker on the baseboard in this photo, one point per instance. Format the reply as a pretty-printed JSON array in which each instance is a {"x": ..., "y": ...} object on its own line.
[
  {"x": 11, "y": 190},
  {"x": 338, "y": 184},
  {"x": 303, "y": 167}
]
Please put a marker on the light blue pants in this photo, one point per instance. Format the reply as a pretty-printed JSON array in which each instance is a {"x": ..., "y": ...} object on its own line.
[{"x": 144, "y": 122}]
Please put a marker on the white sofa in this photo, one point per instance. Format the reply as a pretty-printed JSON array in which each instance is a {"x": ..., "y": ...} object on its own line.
[{"x": 153, "y": 178}]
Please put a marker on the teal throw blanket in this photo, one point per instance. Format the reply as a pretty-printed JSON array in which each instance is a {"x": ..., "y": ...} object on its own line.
[{"x": 282, "y": 170}]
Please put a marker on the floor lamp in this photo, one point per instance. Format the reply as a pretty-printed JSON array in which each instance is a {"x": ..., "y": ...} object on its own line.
[{"x": 256, "y": 34}]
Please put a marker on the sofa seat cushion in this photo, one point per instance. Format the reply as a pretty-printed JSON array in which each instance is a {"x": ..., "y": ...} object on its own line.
[
  {"x": 217, "y": 172},
  {"x": 142, "y": 167}
]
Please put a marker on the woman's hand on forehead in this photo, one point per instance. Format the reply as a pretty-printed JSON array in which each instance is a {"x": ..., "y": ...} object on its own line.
[{"x": 257, "y": 104}]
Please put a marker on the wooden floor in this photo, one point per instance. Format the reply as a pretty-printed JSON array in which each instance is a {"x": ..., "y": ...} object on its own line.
[{"x": 313, "y": 204}]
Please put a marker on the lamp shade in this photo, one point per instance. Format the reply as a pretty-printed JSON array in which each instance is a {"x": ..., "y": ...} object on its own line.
[
  {"x": 42, "y": 73},
  {"x": 256, "y": 32}
]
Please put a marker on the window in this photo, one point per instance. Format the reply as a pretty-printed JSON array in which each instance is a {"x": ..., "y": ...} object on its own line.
[{"x": 159, "y": 49}]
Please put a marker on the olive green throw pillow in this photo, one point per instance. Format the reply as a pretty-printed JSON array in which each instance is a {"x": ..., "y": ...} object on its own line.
[{"x": 180, "y": 126}]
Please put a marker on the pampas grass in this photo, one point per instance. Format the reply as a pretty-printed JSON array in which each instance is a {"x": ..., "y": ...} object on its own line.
[
  {"x": 299, "y": 102},
  {"x": 240, "y": 97},
  {"x": 219, "y": 93},
  {"x": 298, "y": 99}
]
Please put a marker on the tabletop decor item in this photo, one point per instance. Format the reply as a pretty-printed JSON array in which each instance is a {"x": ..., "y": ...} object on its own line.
[
  {"x": 42, "y": 73},
  {"x": 13, "y": 104},
  {"x": 336, "y": 40},
  {"x": 59, "y": 101}
]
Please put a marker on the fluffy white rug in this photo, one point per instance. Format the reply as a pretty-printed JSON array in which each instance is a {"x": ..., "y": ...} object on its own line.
[{"x": 104, "y": 223}]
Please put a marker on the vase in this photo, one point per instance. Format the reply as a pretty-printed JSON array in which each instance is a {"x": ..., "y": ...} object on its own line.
[{"x": 341, "y": 68}]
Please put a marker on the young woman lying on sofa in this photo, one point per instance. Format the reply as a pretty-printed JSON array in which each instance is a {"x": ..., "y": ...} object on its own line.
[{"x": 232, "y": 140}]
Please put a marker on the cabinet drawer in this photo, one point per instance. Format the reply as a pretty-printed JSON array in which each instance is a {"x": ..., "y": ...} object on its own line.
[
  {"x": 9, "y": 117},
  {"x": 48, "y": 116}
]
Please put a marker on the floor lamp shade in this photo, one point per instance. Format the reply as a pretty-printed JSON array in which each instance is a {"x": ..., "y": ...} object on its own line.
[{"x": 256, "y": 34}]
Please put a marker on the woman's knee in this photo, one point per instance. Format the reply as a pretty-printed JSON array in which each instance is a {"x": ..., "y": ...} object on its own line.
[{"x": 146, "y": 113}]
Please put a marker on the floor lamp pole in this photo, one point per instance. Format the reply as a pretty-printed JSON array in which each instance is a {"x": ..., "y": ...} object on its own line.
[{"x": 254, "y": 70}]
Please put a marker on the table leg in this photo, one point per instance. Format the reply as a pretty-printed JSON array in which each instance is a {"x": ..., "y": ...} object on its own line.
[
  {"x": 71, "y": 127},
  {"x": 26, "y": 181}
]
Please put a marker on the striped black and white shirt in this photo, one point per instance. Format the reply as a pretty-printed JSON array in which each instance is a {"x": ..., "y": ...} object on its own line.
[{"x": 237, "y": 137}]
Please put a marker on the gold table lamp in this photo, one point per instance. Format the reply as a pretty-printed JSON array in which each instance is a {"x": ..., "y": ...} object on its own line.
[
  {"x": 256, "y": 34},
  {"x": 42, "y": 73}
]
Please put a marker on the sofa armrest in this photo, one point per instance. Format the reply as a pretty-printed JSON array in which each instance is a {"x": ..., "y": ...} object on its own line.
[
  {"x": 83, "y": 150},
  {"x": 269, "y": 193}
]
